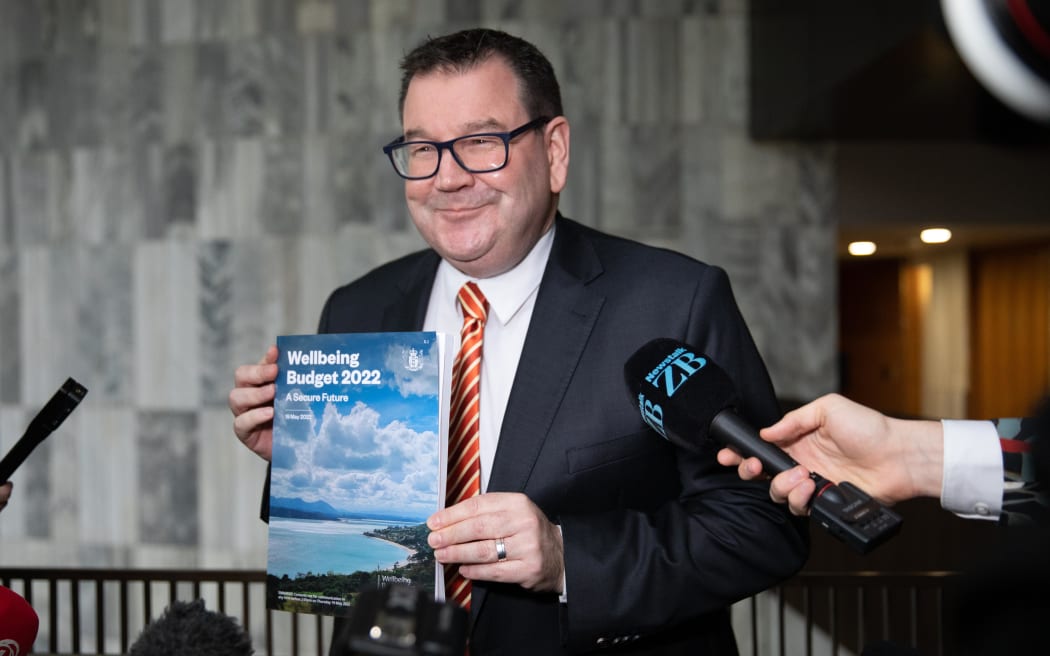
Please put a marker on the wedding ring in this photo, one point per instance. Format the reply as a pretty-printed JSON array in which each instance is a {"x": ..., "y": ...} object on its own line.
[{"x": 501, "y": 550}]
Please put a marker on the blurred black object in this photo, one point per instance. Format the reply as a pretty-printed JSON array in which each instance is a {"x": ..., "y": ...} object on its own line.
[
  {"x": 401, "y": 620},
  {"x": 1003, "y": 604}
]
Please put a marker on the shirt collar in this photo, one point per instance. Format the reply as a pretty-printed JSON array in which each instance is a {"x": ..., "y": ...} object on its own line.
[{"x": 507, "y": 292}]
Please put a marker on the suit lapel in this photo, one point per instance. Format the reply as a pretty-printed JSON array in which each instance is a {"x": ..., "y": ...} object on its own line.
[
  {"x": 562, "y": 320},
  {"x": 408, "y": 312},
  {"x": 565, "y": 313}
]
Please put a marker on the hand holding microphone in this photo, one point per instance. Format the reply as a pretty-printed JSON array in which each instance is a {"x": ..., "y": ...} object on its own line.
[
  {"x": 688, "y": 399},
  {"x": 892, "y": 459}
]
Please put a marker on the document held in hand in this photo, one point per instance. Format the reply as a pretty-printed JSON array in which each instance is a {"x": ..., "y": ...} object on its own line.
[{"x": 360, "y": 440}]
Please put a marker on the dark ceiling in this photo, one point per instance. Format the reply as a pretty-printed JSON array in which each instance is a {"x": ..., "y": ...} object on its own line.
[{"x": 869, "y": 70}]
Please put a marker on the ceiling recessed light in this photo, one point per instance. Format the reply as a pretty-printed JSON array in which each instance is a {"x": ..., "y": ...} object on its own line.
[
  {"x": 935, "y": 235},
  {"x": 860, "y": 248}
]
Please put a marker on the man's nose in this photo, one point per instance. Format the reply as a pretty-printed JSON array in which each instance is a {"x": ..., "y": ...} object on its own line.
[{"x": 450, "y": 174}]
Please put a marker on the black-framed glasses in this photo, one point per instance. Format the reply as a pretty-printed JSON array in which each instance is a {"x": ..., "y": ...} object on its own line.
[{"x": 476, "y": 153}]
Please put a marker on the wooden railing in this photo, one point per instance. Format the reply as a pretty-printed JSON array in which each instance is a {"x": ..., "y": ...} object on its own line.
[
  {"x": 841, "y": 612},
  {"x": 96, "y": 611},
  {"x": 68, "y": 602}
]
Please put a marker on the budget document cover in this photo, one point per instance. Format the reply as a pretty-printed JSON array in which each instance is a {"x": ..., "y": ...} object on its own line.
[{"x": 359, "y": 447}]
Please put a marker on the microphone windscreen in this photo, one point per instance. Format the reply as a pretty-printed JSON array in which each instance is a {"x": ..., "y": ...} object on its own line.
[
  {"x": 18, "y": 624},
  {"x": 678, "y": 390}
]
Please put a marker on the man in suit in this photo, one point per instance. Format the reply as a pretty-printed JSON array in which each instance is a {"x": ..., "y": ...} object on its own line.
[{"x": 591, "y": 532}]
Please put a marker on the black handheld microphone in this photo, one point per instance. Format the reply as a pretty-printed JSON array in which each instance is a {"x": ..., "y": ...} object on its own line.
[
  {"x": 47, "y": 420},
  {"x": 688, "y": 399}
]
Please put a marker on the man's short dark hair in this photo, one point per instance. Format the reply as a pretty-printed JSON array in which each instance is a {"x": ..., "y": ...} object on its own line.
[
  {"x": 188, "y": 629},
  {"x": 461, "y": 51}
]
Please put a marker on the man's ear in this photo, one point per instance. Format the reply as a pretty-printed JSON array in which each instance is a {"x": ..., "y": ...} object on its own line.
[{"x": 556, "y": 133}]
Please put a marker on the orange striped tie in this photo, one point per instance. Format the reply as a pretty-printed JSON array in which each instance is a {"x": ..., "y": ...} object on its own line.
[{"x": 464, "y": 465}]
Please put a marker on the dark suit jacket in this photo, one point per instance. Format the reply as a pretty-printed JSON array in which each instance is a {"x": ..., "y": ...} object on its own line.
[{"x": 658, "y": 543}]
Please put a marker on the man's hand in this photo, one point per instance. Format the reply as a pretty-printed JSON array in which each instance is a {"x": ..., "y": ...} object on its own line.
[
  {"x": 251, "y": 401},
  {"x": 5, "y": 493},
  {"x": 466, "y": 533},
  {"x": 890, "y": 459}
]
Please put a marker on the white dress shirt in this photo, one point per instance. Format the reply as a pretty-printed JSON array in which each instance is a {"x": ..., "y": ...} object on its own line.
[
  {"x": 973, "y": 469},
  {"x": 511, "y": 297}
]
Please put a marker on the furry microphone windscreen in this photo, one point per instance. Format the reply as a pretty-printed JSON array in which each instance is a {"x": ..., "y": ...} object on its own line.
[{"x": 187, "y": 628}]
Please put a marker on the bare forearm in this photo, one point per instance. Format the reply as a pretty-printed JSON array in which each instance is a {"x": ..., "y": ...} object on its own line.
[{"x": 919, "y": 445}]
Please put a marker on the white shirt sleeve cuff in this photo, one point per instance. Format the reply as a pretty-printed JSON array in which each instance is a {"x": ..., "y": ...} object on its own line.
[
  {"x": 564, "y": 596},
  {"x": 972, "y": 486}
]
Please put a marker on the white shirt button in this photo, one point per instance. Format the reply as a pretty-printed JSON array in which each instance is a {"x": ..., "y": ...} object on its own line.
[{"x": 981, "y": 509}]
